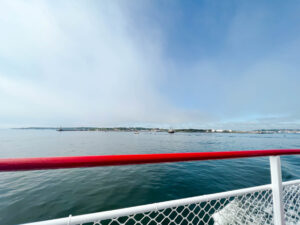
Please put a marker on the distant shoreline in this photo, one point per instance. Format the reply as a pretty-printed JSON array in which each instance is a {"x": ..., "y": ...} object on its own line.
[{"x": 144, "y": 129}]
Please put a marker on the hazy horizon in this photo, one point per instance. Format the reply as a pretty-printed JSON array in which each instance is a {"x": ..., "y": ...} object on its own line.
[{"x": 205, "y": 64}]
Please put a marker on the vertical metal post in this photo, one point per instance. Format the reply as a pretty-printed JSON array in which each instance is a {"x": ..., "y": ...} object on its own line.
[{"x": 277, "y": 190}]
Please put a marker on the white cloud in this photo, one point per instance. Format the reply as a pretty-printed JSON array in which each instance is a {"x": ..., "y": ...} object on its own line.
[
  {"x": 80, "y": 61},
  {"x": 90, "y": 63}
]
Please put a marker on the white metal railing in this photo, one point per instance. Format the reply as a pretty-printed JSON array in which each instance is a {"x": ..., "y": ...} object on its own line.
[{"x": 276, "y": 203}]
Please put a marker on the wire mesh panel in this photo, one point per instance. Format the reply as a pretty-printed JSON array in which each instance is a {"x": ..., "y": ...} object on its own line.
[
  {"x": 291, "y": 202},
  {"x": 250, "y": 208},
  {"x": 239, "y": 207}
]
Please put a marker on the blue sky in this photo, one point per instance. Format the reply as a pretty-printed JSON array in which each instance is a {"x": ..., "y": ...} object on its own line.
[{"x": 202, "y": 64}]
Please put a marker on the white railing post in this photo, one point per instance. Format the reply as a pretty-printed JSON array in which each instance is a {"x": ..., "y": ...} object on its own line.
[{"x": 276, "y": 179}]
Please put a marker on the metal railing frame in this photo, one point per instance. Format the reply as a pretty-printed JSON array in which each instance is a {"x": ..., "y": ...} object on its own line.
[
  {"x": 276, "y": 181},
  {"x": 92, "y": 161}
]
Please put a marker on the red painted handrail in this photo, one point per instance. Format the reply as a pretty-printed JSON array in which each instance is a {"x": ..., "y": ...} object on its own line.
[{"x": 17, "y": 164}]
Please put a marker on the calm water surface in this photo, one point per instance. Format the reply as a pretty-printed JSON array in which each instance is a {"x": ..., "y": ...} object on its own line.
[{"x": 40, "y": 195}]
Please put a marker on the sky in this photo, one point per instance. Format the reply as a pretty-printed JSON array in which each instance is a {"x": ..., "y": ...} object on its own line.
[{"x": 182, "y": 64}]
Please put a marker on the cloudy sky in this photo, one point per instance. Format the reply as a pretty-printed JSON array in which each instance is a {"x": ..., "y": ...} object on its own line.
[{"x": 202, "y": 64}]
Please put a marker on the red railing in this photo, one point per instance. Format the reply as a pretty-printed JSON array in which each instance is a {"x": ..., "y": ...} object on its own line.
[{"x": 17, "y": 164}]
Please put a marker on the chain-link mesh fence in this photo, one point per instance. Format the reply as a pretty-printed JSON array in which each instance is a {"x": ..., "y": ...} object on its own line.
[
  {"x": 239, "y": 207},
  {"x": 252, "y": 208},
  {"x": 291, "y": 202},
  {"x": 249, "y": 208}
]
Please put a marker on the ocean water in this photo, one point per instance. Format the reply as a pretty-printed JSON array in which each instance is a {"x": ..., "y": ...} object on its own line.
[{"x": 39, "y": 195}]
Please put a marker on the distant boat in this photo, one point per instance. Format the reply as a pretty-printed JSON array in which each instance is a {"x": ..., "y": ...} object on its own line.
[
  {"x": 171, "y": 131},
  {"x": 59, "y": 129}
]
